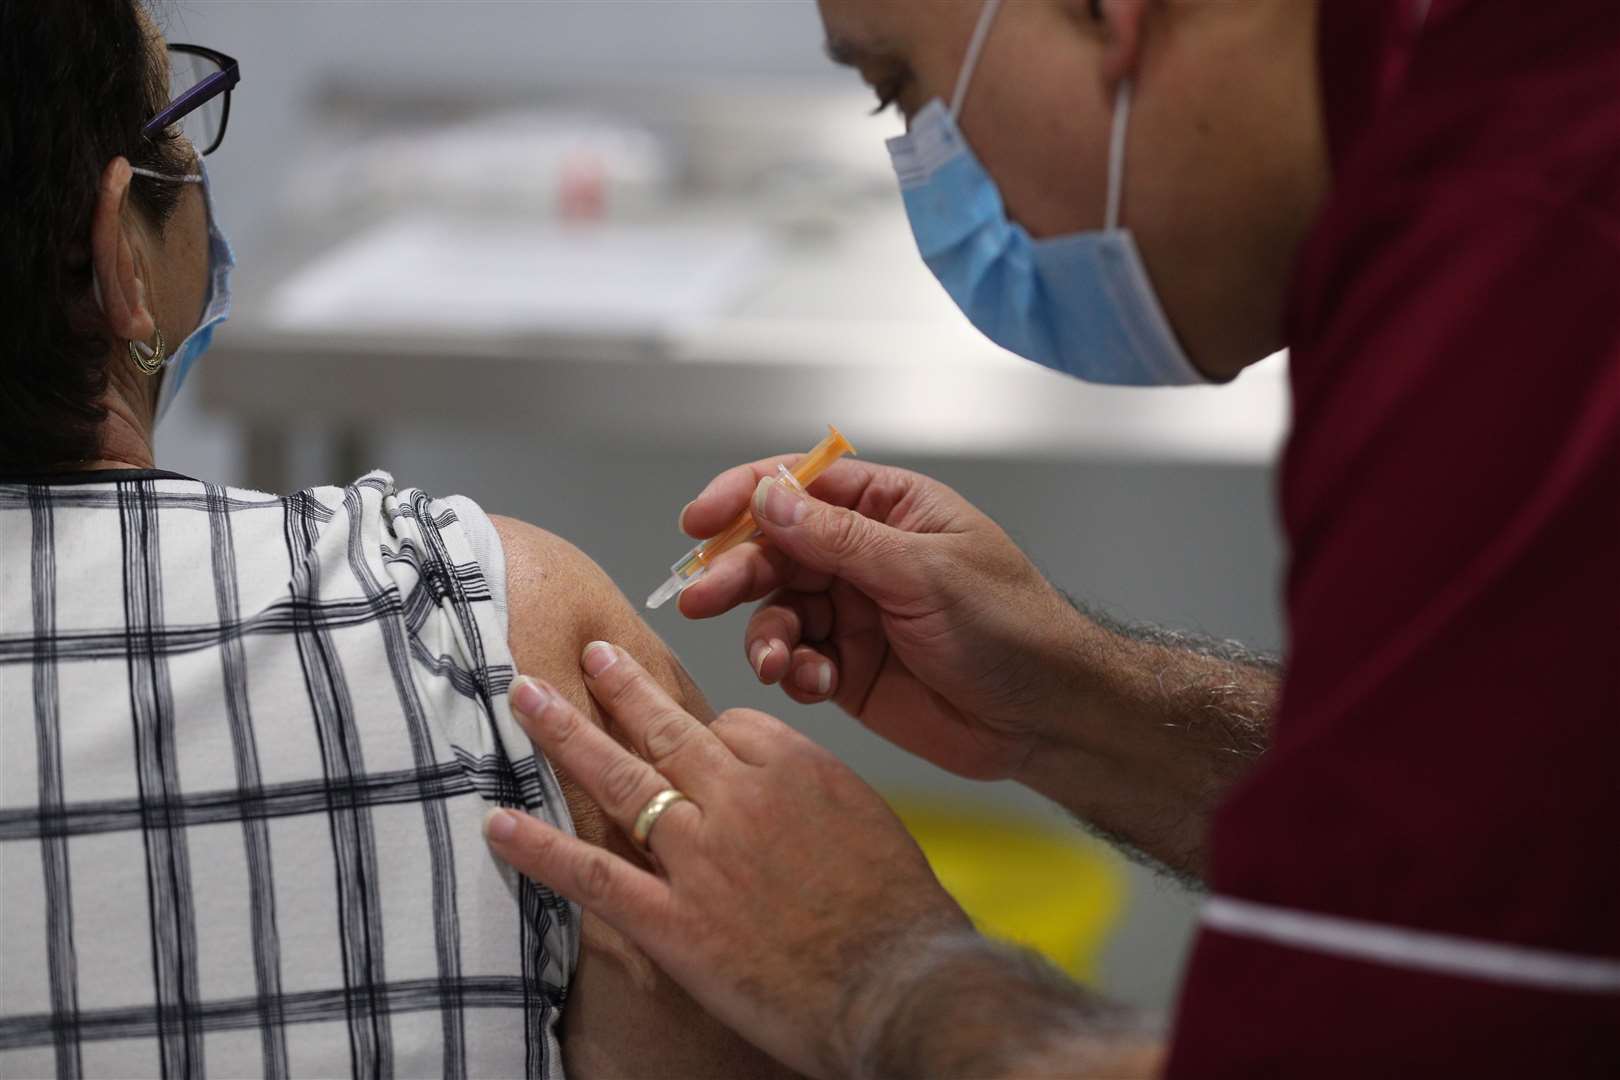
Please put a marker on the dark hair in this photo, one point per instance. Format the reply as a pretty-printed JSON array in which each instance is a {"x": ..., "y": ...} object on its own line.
[{"x": 78, "y": 78}]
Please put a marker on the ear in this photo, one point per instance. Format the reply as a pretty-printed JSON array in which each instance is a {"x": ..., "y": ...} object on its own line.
[
  {"x": 1126, "y": 28},
  {"x": 116, "y": 260}
]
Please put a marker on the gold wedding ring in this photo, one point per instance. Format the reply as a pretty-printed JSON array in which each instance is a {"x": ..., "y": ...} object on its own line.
[{"x": 652, "y": 812}]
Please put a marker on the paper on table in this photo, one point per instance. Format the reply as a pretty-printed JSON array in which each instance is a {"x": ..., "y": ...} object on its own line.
[{"x": 465, "y": 276}]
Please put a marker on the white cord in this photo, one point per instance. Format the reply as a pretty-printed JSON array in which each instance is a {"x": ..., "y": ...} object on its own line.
[
  {"x": 1116, "y": 153},
  {"x": 987, "y": 16},
  {"x": 189, "y": 178}
]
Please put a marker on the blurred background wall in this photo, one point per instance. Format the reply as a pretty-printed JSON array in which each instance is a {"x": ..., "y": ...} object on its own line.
[
  {"x": 1176, "y": 540},
  {"x": 289, "y": 47}
]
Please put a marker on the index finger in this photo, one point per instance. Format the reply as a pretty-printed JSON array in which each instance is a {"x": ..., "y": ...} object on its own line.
[
  {"x": 730, "y": 493},
  {"x": 671, "y": 739},
  {"x": 621, "y": 783}
]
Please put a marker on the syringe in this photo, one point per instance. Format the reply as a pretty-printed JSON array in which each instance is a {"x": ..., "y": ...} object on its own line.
[{"x": 689, "y": 567}]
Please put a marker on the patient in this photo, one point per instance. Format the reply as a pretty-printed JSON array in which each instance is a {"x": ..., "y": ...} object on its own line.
[{"x": 247, "y": 741}]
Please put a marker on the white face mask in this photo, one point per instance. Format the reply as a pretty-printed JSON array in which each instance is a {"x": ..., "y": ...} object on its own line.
[
  {"x": 221, "y": 260},
  {"x": 1081, "y": 303}
]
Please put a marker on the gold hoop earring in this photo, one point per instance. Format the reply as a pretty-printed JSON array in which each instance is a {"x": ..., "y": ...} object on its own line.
[{"x": 147, "y": 358}]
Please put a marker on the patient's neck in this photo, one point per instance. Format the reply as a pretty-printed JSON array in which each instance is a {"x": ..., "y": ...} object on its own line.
[{"x": 126, "y": 433}]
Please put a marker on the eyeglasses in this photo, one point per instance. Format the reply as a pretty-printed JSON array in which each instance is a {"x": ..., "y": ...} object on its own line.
[{"x": 200, "y": 82}]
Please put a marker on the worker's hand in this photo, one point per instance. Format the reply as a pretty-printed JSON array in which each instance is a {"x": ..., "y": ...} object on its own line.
[
  {"x": 889, "y": 594},
  {"x": 792, "y": 904}
]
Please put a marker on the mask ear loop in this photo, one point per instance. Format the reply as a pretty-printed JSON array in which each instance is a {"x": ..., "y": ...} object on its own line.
[
  {"x": 188, "y": 178},
  {"x": 1116, "y": 154},
  {"x": 987, "y": 16}
]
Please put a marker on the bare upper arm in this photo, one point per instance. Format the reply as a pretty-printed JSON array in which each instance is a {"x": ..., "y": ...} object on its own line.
[{"x": 624, "y": 1017}]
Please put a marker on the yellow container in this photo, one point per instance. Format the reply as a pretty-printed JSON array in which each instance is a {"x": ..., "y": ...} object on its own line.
[{"x": 1021, "y": 878}]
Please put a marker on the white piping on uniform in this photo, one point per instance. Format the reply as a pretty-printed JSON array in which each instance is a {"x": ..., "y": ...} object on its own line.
[{"x": 1423, "y": 950}]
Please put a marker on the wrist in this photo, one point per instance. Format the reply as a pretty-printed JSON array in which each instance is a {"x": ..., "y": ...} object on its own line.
[
  {"x": 1022, "y": 1015},
  {"x": 1147, "y": 732},
  {"x": 1115, "y": 754},
  {"x": 878, "y": 982},
  {"x": 872, "y": 1011},
  {"x": 1079, "y": 714}
]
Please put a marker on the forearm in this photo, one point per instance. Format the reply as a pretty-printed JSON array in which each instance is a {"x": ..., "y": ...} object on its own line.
[
  {"x": 1152, "y": 729},
  {"x": 966, "y": 1007}
]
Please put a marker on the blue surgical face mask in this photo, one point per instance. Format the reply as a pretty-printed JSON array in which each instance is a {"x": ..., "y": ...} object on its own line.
[
  {"x": 216, "y": 310},
  {"x": 1081, "y": 303}
]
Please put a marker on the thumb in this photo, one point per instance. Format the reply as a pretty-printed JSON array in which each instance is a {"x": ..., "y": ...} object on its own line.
[{"x": 873, "y": 557}]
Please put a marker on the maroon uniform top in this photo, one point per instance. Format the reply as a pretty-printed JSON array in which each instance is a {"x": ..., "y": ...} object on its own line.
[{"x": 1422, "y": 877}]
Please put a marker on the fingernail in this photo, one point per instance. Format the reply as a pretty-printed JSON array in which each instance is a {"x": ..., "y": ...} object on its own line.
[
  {"x": 814, "y": 678},
  {"x": 529, "y": 697},
  {"x": 680, "y": 522},
  {"x": 536, "y": 702},
  {"x": 760, "y": 651},
  {"x": 599, "y": 656},
  {"x": 499, "y": 825},
  {"x": 778, "y": 503}
]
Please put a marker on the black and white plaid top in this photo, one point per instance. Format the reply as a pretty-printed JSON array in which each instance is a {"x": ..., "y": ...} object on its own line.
[{"x": 246, "y": 745}]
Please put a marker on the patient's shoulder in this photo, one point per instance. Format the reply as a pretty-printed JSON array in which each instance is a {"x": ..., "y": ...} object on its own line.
[
  {"x": 559, "y": 600},
  {"x": 555, "y": 593}
]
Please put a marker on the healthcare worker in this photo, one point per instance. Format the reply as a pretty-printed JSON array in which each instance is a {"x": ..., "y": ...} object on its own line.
[{"x": 1408, "y": 834}]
